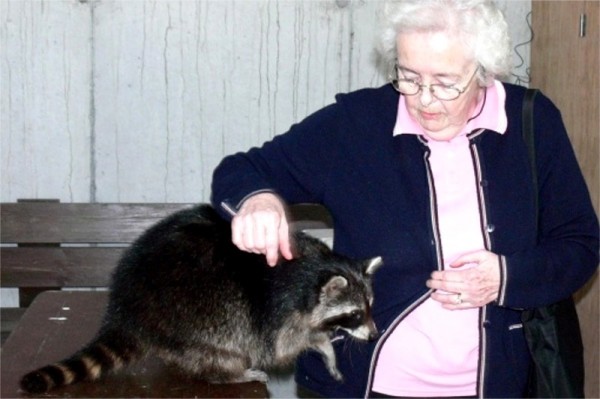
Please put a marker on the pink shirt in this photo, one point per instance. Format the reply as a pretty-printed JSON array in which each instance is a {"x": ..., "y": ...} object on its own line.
[{"x": 434, "y": 351}]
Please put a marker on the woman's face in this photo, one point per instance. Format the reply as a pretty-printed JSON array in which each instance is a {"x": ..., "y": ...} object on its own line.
[{"x": 438, "y": 57}]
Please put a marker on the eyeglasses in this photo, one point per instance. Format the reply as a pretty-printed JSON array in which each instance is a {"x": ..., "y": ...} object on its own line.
[{"x": 410, "y": 87}]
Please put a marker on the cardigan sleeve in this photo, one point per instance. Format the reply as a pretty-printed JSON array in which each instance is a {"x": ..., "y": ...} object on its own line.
[
  {"x": 293, "y": 165},
  {"x": 566, "y": 254},
  {"x": 300, "y": 165}
]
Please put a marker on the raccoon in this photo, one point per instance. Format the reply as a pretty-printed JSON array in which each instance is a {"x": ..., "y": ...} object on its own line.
[{"x": 185, "y": 293}]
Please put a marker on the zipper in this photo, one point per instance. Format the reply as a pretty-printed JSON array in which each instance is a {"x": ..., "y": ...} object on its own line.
[{"x": 439, "y": 257}]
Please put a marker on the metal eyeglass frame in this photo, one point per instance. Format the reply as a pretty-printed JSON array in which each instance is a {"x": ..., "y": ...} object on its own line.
[{"x": 395, "y": 80}]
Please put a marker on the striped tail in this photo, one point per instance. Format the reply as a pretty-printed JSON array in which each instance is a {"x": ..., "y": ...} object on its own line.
[{"x": 108, "y": 352}]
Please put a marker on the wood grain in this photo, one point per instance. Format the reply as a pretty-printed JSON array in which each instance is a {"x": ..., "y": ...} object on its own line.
[{"x": 566, "y": 67}]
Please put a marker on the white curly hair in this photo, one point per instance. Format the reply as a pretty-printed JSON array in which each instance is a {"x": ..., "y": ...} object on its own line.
[{"x": 479, "y": 24}]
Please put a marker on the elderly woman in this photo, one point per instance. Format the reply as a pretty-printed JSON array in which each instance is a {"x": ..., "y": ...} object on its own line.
[{"x": 431, "y": 173}]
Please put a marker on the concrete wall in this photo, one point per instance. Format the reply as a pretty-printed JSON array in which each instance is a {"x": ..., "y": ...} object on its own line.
[{"x": 137, "y": 101}]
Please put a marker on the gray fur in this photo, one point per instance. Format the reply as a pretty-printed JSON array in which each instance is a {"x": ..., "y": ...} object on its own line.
[{"x": 184, "y": 292}]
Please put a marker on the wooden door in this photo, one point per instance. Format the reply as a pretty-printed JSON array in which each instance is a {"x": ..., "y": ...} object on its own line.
[{"x": 565, "y": 65}]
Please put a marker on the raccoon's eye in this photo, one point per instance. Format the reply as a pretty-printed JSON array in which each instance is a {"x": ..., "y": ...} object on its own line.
[
  {"x": 352, "y": 320},
  {"x": 356, "y": 314}
]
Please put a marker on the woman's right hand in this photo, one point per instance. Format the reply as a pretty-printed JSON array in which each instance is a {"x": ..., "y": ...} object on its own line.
[{"x": 261, "y": 227}]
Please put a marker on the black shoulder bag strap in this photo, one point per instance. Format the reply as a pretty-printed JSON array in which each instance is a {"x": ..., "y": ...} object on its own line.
[
  {"x": 530, "y": 141},
  {"x": 552, "y": 332}
]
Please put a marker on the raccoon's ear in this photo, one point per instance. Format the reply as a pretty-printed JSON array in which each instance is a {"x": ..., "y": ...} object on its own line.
[
  {"x": 373, "y": 265},
  {"x": 334, "y": 287}
]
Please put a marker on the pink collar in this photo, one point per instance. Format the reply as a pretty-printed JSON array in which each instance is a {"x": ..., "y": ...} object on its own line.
[{"x": 492, "y": 116}]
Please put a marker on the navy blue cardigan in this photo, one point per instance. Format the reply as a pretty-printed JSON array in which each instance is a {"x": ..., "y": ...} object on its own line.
[{"x": 379, "y": 191}]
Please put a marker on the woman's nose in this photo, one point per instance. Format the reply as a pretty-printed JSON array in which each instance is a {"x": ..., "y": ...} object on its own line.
[{"x": 425, "y": 96}]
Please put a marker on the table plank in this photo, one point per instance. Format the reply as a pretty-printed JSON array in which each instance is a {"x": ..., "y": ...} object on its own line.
[{"x": 58, "y": 323}]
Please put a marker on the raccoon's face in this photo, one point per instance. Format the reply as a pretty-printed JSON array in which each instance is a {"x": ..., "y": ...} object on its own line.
[{"x": 345, "y": 303}]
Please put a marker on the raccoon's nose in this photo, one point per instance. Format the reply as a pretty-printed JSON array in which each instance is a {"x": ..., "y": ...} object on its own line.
[{"x": 373, "y": 334}]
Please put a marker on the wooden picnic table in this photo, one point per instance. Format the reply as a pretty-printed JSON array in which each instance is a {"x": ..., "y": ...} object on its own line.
[{"x": 58, "y": 323}]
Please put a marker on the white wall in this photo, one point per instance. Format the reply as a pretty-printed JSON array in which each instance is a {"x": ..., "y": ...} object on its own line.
[{"x": 137, "y": 101}]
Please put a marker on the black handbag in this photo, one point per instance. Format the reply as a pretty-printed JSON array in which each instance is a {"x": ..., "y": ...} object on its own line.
[{"x": 552, "y": 332}]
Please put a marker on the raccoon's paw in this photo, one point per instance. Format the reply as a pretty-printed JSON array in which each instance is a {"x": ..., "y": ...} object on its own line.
[{"x": 256, "y": 375}]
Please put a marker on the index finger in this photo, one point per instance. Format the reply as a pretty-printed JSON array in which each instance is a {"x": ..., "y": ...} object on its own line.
[
  {"x": 271, "y": 246},
  {"x": 284, "y": 241}
]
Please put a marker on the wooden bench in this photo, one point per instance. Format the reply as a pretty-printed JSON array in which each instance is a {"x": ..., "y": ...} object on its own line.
[{"x": 49, "y": 247}]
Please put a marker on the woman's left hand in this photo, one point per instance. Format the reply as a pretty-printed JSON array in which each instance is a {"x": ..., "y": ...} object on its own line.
[{"x": 470, "y": 288}]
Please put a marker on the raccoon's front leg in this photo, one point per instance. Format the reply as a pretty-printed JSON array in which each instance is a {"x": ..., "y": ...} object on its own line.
[{"x": 322, "y": 343}]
